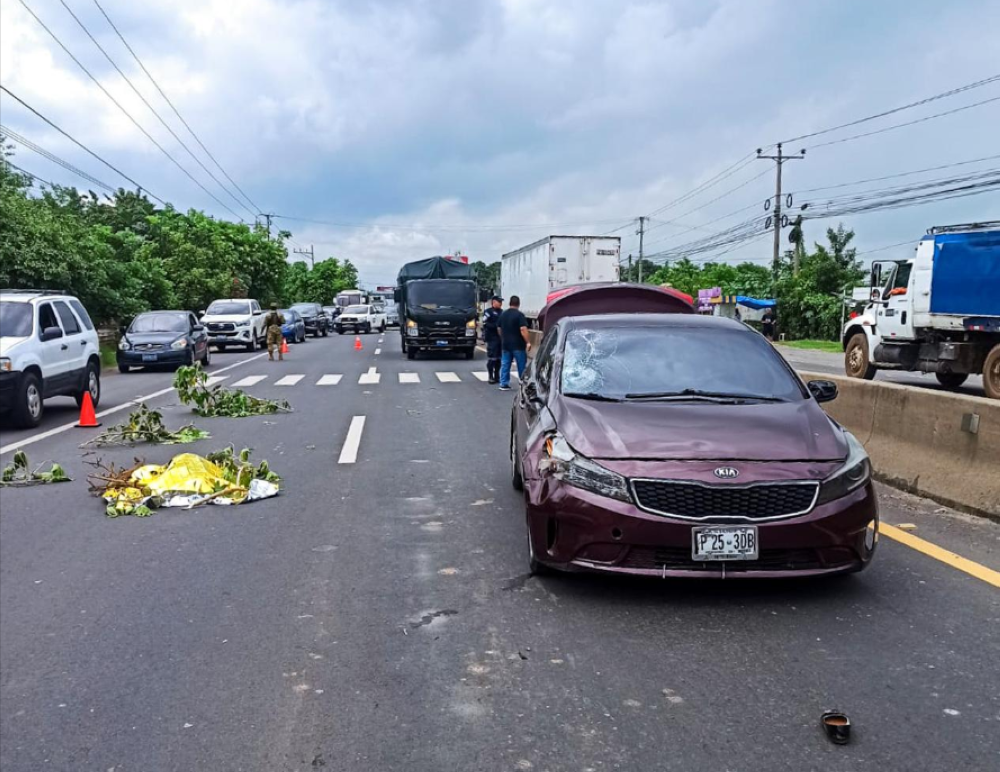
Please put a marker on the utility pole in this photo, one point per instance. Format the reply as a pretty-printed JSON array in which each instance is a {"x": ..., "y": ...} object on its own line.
[
  {"x": 310, "y": 253},
  {"x": 629, "y": 274},
  {"x": 642, "y": 233},
  {"x": 267, "y": 217},
  {"x": 778, "y": 218}
]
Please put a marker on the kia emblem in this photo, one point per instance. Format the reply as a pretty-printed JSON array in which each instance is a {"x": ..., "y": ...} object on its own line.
[{"x": 727, "y": 473}]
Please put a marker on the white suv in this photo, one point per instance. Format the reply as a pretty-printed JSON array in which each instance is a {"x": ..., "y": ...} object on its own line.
[
  {"x": 361, "y": 319},
  {"x": 235, "y": 322},
  {"x": 48, "y": 348}
]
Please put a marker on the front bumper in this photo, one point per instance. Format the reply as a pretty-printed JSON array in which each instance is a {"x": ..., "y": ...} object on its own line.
[
  {"x": 236, "y": 338},
  {"x": 441, "y": 342},
  {"x": 575, "y": 530},
  {"x": 161, "y": 357},
  {"x": 10, "y": 384}
]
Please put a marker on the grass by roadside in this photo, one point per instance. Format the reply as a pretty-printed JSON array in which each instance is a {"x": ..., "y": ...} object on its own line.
[
  {"x": 108, "y": 355},
  {"x": 830, "y": 346}
]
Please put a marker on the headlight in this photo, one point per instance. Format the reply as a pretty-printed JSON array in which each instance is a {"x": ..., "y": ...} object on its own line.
[
  {"x": 179, "y": 343},
  {"x": 124, "y": 345},
  {"x": 855, "y": 472},
  {"x": 470, "y": 328},
  {"x": 581, "y": 472},
  {"x": 411, "y": 328},
  {"x": 5, "y": 364}
]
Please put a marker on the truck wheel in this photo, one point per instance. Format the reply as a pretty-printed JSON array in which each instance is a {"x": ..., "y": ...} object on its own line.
[
  {"x": 252, "y": 345},
  {"x": 471, "y": 353},
  {"x": 857, "y": 363},
  {"x": 411, "y": 352},
  {"x": 28, "y": 408},
  {"x": 951, "y": 380},
  {"x": 991, "y": 373}
]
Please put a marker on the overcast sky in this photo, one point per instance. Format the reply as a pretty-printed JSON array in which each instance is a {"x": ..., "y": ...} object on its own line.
[{"x": 420, "y": 127}]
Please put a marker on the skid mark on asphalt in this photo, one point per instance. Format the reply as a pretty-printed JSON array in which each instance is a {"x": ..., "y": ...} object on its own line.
[
  {"x": 431, "y": 617},
  {"x": 349, "y": 453},
  {"x": 970, "y": 567}
]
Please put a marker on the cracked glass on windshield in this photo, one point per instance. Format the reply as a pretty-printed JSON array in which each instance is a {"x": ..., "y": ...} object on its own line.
[{"x": 633, "y": 362}]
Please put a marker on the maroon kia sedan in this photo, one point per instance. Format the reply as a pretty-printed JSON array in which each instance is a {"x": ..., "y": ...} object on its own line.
[{"x": 670, "y": 444}]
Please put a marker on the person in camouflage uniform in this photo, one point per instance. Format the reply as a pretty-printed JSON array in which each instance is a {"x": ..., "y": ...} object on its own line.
[{"x": 272, "y": 323}]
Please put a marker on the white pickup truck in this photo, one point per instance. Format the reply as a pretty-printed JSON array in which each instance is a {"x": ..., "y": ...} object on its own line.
[
  {"x": 235, "y": 322},
  {"x": 363, "y": 318},
  {"x": 938, "y": 312}
]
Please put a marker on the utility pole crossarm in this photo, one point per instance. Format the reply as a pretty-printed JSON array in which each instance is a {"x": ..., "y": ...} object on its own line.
[{"x": 310, "y": 253}]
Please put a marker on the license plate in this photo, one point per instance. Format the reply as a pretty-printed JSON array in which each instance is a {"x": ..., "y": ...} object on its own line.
[
  {"x": 724, "y": 543},
  {"x": 440, "y": 343},
  {"x": 149, "y": 357}
]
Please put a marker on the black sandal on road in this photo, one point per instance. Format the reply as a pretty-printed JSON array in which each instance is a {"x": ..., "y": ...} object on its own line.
[{"x": 837, "y": 727}]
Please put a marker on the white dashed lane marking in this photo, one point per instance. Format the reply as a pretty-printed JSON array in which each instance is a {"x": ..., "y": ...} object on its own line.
[{"x": 349, "y": 452}]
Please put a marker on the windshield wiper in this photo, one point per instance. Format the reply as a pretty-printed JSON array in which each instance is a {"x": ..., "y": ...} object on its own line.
[
  {"x": 686, "y": 394},
  {"x": 593, "y": 395}
]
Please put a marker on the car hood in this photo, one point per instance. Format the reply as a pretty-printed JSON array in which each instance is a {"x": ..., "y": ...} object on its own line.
[
  {"x": 8, "y": 342},
  {"x": 232, "y": 318},
  {"x": 136, "y": 338},
  {"x": 773, "y": 431}
]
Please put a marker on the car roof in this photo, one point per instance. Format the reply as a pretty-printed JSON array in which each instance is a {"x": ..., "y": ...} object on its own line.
[
  {"x": 28, "y": 295},
  {"x": 687, "y": 321},
  {"x": 162, "y": 311}
]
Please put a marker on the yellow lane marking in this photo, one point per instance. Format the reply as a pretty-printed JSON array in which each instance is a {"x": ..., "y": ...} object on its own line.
[{"x": 970, "y": 567}]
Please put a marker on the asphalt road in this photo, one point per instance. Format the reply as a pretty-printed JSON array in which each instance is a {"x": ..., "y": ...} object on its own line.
[
  {"x": 827, "y": 362},
  {"x": 378, "y": 615}
]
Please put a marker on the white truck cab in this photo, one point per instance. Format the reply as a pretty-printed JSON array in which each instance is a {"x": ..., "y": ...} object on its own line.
[
  {"x": 938, "y": 312},
  {"x": 235, "y": 322}
]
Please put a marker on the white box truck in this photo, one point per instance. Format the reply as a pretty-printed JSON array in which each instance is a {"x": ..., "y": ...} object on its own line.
[
  {"x": 549, "y": 264},
  {"x": 937, "y": 312}
]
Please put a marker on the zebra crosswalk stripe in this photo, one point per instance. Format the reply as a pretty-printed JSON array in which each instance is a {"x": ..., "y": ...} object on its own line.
[
  {"x": 289, "y": 380},
  {"x": 482, "y": 376},
  {"x": 214, "y": 379},
  {"x": 329, "y": 380},
  {"x": 448, "y": 377},
  {"x": 369, "y": 378},
  {"x": 250, "y": 380},
  {"x": 409, "y": 378}
]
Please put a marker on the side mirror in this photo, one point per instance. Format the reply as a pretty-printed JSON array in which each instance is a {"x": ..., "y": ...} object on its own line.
[
  {"x": 198, "y": 328},
  {"x": 201, "y": 313},
  {"x": 397, "y": 295},
  {"x": 258, "y": 312},
  {"x": 822, "y": 391},
  {"x": 531, "y": 392},
  {"x": 122, "y": 329},
  {"x": 51, "y": 333}
]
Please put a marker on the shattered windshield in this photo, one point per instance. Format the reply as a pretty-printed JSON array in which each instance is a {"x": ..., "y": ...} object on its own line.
[{"x": 667, "y": 362}]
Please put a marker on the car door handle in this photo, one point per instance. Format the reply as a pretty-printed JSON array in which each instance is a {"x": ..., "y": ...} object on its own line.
[
  {"x": 64, "y": 347},
  {"x": 83, "y": 343}
]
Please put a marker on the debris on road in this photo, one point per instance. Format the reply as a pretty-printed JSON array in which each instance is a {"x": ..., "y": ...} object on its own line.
[
  {"x": 16, "y": 473},
  {"x": 188, "y": 481},
  {"x": 192, "y": 387},
  {"x": 145, "y": 425},
  {"x": 837, "y": 726}
]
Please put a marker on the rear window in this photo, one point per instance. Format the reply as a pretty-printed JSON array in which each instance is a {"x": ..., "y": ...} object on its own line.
[
  {"x": 633, "y": 362},
  {"x": 15, "y": 319}
]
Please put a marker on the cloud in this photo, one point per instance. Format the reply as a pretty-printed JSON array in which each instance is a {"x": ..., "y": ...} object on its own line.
[{"x": 483, "y": 115}]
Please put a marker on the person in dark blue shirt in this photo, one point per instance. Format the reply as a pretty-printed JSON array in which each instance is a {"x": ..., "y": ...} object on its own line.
[
  {"x": 514, "y": 339},
  {"x": 491, "y": 334}
]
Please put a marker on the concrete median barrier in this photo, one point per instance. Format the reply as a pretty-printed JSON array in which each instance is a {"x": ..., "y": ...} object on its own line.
[{"x": 935, "y": 444}]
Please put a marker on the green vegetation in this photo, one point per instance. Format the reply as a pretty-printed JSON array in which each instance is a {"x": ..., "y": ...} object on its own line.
[
  {"x": 212, "y": 401},
  {"x": 108, "y": 355},
  {"x": 832, "y": 346},
  {"x": 145, "y": 425},
  {"x": 17, "y": 473},
  {"x": 319, "y": 284}
]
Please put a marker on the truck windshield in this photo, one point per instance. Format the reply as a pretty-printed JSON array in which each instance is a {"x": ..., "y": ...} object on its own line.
[
  {"x": 15, "y": 319},
  {"x": 228, "y": 307},
  {"x": 434, "y": 295}
]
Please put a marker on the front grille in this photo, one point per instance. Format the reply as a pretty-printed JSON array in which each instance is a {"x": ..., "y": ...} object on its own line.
[
  {"x": 708, "y": 502},
  {"x": 679, "y": 559},
  {"x": 221, "y": 327},
  {"x": 148, "y": 347}
]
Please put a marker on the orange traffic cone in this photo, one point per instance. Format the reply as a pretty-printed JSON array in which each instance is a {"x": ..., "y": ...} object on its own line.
[
  {"x": 87, "y": 417},
  {"x": 357, "y": 343},
  {"x": 284, "y": 346}
]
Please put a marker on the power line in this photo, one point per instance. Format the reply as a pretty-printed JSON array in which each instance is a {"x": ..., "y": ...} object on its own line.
[
  {"x": 151, "y": 108},
  {"x": 27, "y": 173},
  {"x": 172, "y": 107},
  {"x": 126, "y": 112},
  {"x": 903, "y": 125},
  {"x": 473, "y": 227},
  {"x": 709, "y": 203},
  {"x": 83, "y": 147},
  {"x": 710, "y": 182},
  {"x": 899, "y": 174},
  {"x": 53, "y": 158},
  {"x": 942, "y": 95}
]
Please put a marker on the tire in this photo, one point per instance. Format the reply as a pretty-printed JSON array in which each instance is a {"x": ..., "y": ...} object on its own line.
[
  {"x": 252, "y": 345},
  {"x": 124, "y": 368},
  {"x": 368, "y": 328},
  {"x": 951, "y": 380},
  {"x": 516, "y": 478},
  {"x": 340, "y": 330},
  {"x": 382, "y": 327},
  {"x": 207, "y": 359},
  {"x": 991, "y": 373},
  {"x": 29, "y": 406},
  {"x": 221, "y": 348},
  {"x": 92, "y": 384},
  {"x": 534, "y": 566},
  {"x": 470, "y": 354},
  {"x": 326, "y": 331},
  {"x": 857, "y": 362},
  {"x": 411, "y": 352}
]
